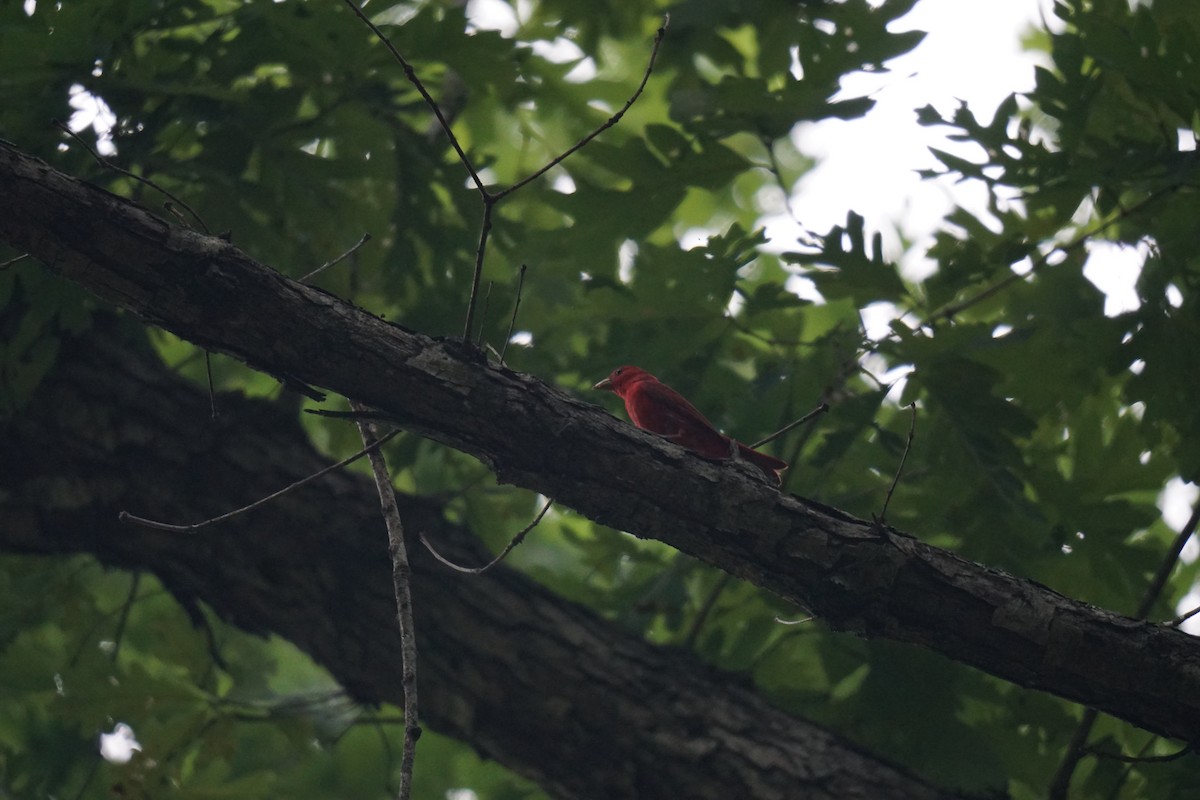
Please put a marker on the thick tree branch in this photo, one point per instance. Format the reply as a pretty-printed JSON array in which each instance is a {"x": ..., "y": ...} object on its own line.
[
  {"x": 856, "y": 576},
  {"x": 535, "y": 682}
]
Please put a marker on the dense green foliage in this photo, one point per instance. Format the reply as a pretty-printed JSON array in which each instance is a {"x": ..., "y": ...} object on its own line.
[{"x": 1045, "y": 433}]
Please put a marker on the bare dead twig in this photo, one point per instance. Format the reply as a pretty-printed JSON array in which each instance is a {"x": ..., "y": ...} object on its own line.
[
  {"x": 516, "y": 540},
  {"x": 366, "y": 237},
  {"x": 816, "y": 412},
  {"x": 125, "y": 516},
  {"x": 1184, "y": 617},
  {"x": 516, "y": 306},
  {"x": 104, "y": 162},
  {"x": 411, "y": 75},
  {"x": 912, "y": 431},
  {"x": 402, "y": 585},
  {"x": 613, "y": 120},
  {"x": 485, "y": 230},
  {"x": 487, "y": 300},
  {"x": 212, "y": 391},
  {"x": 1124, "y": 759},
  {"x": 710, "y": 602}
]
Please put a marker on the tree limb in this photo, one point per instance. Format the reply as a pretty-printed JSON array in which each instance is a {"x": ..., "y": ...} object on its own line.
[
  {"x": 529, "y": 679},
  {"x": 855, "y": 576}
]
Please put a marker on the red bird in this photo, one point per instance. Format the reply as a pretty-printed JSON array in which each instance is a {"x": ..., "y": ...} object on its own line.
[{"x": 653, "y": 406}]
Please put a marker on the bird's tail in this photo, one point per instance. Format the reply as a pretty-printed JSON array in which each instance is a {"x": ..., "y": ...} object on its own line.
[{"x": 770, "y": 466}]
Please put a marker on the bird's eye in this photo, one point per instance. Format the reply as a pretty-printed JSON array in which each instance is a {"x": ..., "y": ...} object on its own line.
[{"x": 619, "y": 371}]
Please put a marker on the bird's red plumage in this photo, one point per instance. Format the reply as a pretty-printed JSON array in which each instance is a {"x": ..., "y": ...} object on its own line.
[{"x": 656, "y": 407}]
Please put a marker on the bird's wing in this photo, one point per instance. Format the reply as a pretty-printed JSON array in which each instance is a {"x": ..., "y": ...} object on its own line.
[{"x": 658, "y": 408}]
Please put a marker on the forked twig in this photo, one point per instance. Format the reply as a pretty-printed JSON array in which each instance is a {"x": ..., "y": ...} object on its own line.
[
  {"x": 516, "y": 540},
  {"x": 613, "y": 120},
  {"x": 491, "y": 199}
]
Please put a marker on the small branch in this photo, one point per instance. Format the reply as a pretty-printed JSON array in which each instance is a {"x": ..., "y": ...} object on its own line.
[
  {"x": 104, "y": 162},
  {"x": 513, "y": 321},
  {"x": 783, "y": 621},
  {"x": 125, "y": 516},
  {"x": 820, "y": 409},
  {"x": 1159, "y": 582},
  {"x": 689, "y": 641},
  {"x": 366, "y": 237},
  {"x": 119, "y": 634},
  {"x": 1124, "y": 759},
  {"x": 1182, "y": 618},
  {"x": 411, "y": 74},
  {"x": 912, "y": 430},
  {"x": 11, "y": 261},
  {"x": 485, "y": 230},
  {"x": 613, "y": 120},
  {"x": 212, "y": 392},
  {"x": 489, "y": 199},
  {"x": 402, "y": 585},
  {"x": 487, "y": 299},
  {"x": 516, "y": 540}
]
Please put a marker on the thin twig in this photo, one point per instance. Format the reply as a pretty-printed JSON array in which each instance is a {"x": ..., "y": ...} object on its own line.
[
  {"x": 912, "y": 431},
  {"x": 1077, "y": 748},
  {"x": 402, "y": 585},
  {"x": 119, "y": 634},
  {"x": 490, "y": 200},
  {"x": 689, "y": 641},
  {"x": 487, "y": 300},
  {"x": 613, "y": 120},
  {"x": 125, "y": 516},
  {"x": 366, "y": 237},
  {"x": 1124, "y": 759},
  {"x": 783, "y": 621},
  {"x": 820, "y": 409},
  {"x": 1182, "y": 618},
  {"x": 12, "y": 261},
  {"x": 212, "y": 392},
  {"x": 411, "y": 74},
  {"x": 516, "y": 540},
  {"x": 513, "y": 321},
  {"x": 104, "y": 162},
  {"x": 485, "y": 230}
]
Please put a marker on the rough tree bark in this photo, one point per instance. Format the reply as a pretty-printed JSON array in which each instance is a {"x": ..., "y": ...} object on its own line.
[
  {"x": 856, "y": 576},
  {"x": 540, "y": 684}
]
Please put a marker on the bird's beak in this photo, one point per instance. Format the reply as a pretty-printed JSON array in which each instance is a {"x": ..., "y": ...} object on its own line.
[{"x": 605, "y": 384}]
